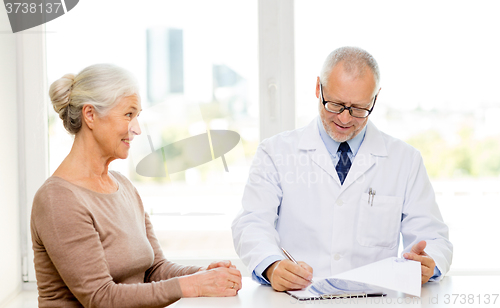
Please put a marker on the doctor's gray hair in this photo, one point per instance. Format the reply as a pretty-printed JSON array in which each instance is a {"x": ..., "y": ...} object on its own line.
[
  {"x": 100, "y": 85},
  {"x": 354, "y": 59}
]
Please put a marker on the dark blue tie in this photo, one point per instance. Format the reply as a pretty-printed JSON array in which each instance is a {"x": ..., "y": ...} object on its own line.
[{"x": 344, "y": 163}]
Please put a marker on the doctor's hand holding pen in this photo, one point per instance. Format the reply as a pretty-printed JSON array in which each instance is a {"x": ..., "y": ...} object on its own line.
[
  {"x": 289, "y": 274},
  {"x": 285, "y": 275}
]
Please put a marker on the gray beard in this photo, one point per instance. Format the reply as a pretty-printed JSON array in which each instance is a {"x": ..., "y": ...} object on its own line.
[{"x": 331, "y": 133}]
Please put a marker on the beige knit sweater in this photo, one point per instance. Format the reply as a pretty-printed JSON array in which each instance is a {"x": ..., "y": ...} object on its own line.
[{"x": 99, "y": 250}]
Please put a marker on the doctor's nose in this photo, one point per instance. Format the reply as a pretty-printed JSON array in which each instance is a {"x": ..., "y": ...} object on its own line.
[{"x": 344, "y": 116}]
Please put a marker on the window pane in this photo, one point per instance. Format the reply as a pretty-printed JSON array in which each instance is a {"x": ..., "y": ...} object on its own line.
[
  {"x": 196, "y": 62},
  {"x": 439, "y": 75}
]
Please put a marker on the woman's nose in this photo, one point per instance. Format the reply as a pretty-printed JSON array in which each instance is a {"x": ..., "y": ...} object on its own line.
[{"x": 135, "y": 128}]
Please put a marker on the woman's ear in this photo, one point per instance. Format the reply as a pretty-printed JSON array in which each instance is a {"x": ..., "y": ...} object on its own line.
[{"x": 89, "y": 115}]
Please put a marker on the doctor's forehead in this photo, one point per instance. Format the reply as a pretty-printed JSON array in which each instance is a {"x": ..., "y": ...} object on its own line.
[{"x": 350, "y": 89}]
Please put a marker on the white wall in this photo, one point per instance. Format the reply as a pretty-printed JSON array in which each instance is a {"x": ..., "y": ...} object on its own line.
[{"x": 10, "y": 255}]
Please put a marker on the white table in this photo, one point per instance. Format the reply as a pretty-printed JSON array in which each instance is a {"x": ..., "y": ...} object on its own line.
[{"x": 450, "y": 292}]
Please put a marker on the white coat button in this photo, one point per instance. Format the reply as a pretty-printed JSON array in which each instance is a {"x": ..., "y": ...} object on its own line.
[
  {"x": 336, "y": 257},
  {"x": 340, "y": 202}
]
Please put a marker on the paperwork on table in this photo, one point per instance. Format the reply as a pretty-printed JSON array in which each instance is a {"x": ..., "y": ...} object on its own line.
[{"x": 392, "y": 273}]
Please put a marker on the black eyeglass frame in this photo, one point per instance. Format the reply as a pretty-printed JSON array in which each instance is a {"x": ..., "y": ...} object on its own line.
[{"x": 324, "y": 102}]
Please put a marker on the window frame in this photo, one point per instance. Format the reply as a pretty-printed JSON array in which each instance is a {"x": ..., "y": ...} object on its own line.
[
  {"x": 276, "y": 67},
  {"x": 32, "y": 132}
]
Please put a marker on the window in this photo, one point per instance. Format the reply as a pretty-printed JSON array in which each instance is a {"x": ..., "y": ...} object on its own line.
[{"x": 196, "y": 62}]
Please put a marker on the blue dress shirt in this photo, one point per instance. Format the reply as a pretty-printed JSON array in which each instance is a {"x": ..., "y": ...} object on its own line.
[{"x": 332, "y": 146}]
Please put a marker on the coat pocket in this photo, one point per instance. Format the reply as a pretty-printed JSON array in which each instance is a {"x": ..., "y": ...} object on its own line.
[{"x": 379, "y": 223}]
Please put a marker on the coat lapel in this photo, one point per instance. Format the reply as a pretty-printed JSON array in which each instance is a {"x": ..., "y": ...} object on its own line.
[
  {"x": 371, "y": 149},
  {"x": 311, "y": 142}
]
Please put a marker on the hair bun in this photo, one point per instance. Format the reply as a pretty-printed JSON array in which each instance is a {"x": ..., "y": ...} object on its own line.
[{"x": 60, "y": 92}]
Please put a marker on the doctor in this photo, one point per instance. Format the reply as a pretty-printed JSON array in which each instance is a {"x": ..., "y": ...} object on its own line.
[{"x": 338, "y": 193}]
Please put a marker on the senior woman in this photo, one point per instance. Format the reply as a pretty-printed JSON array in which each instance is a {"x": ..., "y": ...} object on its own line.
[{"x": 94, "y": 245}]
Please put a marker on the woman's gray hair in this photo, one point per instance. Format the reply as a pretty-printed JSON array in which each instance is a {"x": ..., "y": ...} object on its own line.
[
  {"x": 100, "y": 85},
  {"x": 354, "y": 60}
]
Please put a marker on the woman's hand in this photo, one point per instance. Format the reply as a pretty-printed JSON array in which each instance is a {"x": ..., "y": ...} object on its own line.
[
  {"x": 218, "y": 279},
  {"x": 225, "y": 263}
]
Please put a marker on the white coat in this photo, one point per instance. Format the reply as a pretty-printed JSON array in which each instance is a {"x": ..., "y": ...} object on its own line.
[{"x": 294, "y": 199}]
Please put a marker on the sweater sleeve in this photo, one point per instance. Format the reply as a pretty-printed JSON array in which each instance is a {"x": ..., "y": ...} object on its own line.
[
  {"x": 162, "y": 268},
  {"x": 68, "y": 246}
]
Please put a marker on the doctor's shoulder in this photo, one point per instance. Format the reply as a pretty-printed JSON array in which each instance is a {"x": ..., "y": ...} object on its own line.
[
  {"x": 283, "y": 142},
  {"x": 398, "y": 147}
]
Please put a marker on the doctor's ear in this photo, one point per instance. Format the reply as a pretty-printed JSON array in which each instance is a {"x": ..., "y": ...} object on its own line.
[{"x": 317, "y": 87}]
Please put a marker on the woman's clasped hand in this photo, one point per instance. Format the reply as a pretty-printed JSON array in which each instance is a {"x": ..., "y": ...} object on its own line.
[{"x": 218, "y": 279}]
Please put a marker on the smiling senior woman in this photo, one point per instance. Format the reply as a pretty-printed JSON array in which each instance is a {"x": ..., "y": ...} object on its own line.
[{"x": 94, "y": 245}]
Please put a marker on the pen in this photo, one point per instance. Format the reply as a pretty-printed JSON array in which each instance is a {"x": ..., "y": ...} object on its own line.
[
  {"x": 289, "y": 257},
  {"x": 371, "y": 194}
]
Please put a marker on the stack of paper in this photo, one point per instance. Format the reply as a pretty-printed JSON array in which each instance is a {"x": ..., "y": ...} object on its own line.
[{"x": 392, "y": 273}]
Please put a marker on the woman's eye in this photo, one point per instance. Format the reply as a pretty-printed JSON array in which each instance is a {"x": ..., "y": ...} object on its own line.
[{"x": 129, "y": 114}]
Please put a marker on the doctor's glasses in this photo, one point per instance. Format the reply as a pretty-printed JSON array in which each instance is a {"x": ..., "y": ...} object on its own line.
[{"x": 339, "y": 108}]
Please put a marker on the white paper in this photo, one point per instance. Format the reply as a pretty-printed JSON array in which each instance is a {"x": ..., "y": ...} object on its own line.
[
  {"x": 337, "y": 286},
  {"x": 392, "y": 273}
]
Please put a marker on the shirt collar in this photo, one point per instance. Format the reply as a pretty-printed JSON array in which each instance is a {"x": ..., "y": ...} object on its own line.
[{"x": 332, "y": 146}]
